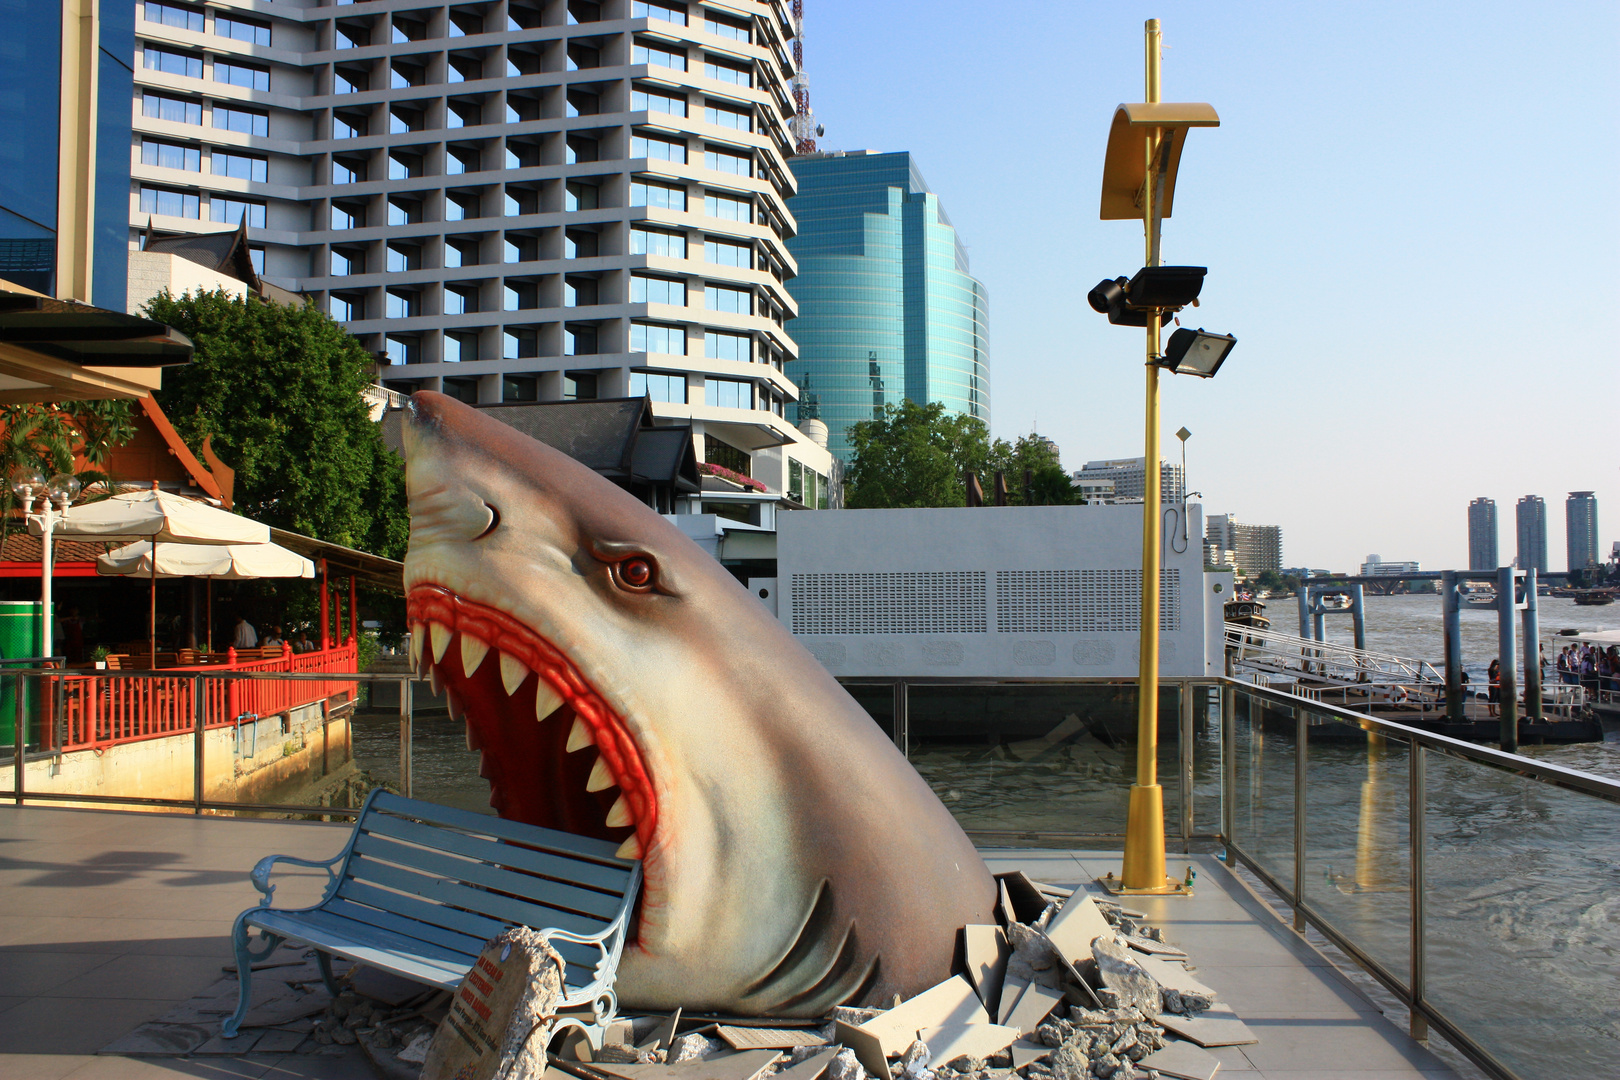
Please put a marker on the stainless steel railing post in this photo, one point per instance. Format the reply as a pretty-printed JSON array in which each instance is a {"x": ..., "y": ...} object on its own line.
[
  {"x": 1228, "y": 764},
  {"x": 199, "y": 714},
  {"x": 1185, "y": 780},
  {"x": 406, "y": 723},
  {"x": 1417, "y": 811},
  {"x": 1300, "y": 762}
]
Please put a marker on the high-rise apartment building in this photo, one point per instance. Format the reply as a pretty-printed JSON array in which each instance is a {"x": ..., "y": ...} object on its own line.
[
  {"x": 507, "y": 200},
  {"x": 1258, "y": 548},
  {"x": 1125, "y": 480},
  {"x": 887, "y": 307},
  {"x": 1530, "y": 517},
  {"x": 1581, "y": 529},
  {"x": 64, "y": 160},
  {"x": 1482, "y": 534}
]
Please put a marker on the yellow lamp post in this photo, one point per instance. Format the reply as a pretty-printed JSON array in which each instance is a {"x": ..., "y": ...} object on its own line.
[{"x": 1139, "y": 180}]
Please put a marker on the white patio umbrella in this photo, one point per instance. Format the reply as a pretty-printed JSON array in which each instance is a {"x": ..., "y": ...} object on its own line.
[
  {"x": 230, "y": 562},
  {"x": 160, "y": 518}
]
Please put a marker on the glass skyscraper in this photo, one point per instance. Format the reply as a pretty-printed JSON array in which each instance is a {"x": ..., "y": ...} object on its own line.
[{"x": 887, "y": 307}]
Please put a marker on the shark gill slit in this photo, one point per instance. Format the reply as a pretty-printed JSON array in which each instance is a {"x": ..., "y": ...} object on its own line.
[
  {"x": 839, "y": 985},
  {"x": 812, "y": 933}
]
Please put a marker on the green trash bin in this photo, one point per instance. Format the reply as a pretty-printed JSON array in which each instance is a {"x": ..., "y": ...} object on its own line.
[{"x": 20, "y": 624}]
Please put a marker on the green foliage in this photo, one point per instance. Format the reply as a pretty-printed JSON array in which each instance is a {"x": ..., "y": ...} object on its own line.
[
  {"x": 278, "y": 388},
  {"x": 914, "y": 455},
  {"x": 49, "y": 438}
]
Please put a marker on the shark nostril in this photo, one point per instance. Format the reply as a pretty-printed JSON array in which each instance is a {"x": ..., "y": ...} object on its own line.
[{"x": 494, "y": 522}]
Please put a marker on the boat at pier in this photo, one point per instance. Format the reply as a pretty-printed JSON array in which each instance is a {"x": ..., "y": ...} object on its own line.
[{"x": 1592, "y": 597}]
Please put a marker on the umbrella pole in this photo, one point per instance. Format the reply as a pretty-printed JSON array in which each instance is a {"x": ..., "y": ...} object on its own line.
[
  {"x": 153, "y": 624},
  {"x": 210, "y": 631}
]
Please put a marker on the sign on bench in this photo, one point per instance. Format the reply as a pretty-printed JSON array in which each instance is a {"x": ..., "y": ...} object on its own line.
[{"x": 420, "y": 888}]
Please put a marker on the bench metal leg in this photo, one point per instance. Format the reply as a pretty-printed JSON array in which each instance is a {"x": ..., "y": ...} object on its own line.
[
  {"x": 246, "y": 956},
  {"x": 325, "y": 962}
]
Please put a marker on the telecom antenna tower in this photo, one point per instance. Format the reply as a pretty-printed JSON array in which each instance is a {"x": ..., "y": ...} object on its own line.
[{"x": 804, "y": 127}]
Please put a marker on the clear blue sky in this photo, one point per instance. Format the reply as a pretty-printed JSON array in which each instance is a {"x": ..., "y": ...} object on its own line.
[{"x": 1409, "y": 216}]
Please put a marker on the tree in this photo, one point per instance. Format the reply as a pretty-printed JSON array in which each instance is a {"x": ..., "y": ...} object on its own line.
[
  {"x": 913, "y": 455},
  {"x": 278, "y": 388},
  {"x": 1037, "y": 456},
  {"x": 52, "y": 438}
]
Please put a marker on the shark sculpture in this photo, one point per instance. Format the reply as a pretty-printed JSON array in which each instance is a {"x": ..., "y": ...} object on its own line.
[{"x": 621, "y": 684}]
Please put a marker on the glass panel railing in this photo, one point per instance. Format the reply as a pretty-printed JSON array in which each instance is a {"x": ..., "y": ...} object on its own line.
[
  {"x": 442, "y": 769},
  {"x": 1358, "y": 838},
  {"x": 1039, "y": 761},
  {"x": 1520, "y": 909},
  {"x": 1261, "y": 799},
  {"x": 1205, "y": 781}
]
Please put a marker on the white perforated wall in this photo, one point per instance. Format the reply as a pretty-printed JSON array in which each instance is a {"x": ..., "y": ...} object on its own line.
[
  {"x": 939, "y": 602},
  {"x": 1081, "y": 601}
]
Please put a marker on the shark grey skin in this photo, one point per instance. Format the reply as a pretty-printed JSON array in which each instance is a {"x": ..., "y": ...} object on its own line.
[{"x": 796, "y": 860}]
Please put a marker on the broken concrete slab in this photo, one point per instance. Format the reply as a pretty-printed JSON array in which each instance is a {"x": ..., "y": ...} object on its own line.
[
  {"x": 1025, "y": 898},
  {"x": 1076, "y": 926},
  {"x": 744, "y": 1065},
  {"x": 663, "y": 1034},
  {"x": 1184, "y": 1061},
  {"x": 1035, "y": 1002},
  {"x": 950, "y": 1002},
  {"x": 503, "y": 1014},
  {"x": 985, "y": 953},
  {"x": 1025, "y": 1051},
  {"x": 810, "y": 1068},
  {"x": 771, "y": 1038},
  {"x": 1125, "y": 977},
  {"x": 1171, "y": 975},
  {"x": 952, "y": 1041},
  {"x": 159, "y": 1038},
  {"x": 1219, "y": 1026},
  {"x": 1155, "y": 948},
  {"x": 276, "y": 1041},
  {"x": 239, "y": 1045}
]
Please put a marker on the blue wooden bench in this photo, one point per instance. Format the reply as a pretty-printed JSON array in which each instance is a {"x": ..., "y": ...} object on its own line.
[{"x": 420, "y": 888}]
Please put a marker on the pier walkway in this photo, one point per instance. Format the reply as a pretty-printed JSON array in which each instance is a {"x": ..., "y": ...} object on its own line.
[{"x": 110, "y": 918}]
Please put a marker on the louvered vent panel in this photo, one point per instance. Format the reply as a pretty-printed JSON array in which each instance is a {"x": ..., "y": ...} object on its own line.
[
  {"x": 1080, "y": 601},
  {"x": 935, "y": 602}
]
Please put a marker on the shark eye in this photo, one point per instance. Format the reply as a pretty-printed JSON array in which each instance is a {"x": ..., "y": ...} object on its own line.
[{"x": 634, "y": 574}]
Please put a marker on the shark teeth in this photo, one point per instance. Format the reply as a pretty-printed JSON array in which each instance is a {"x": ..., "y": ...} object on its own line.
[
  {"x": 441, "y": 640},
  {"x": 513, "y": 672},
  {"x": 630, "y": 849},
  {"x": 546, "y": 700},
  {"x": 433, "y": 680},
  {"x": 580, "y": 736},
  {"x": 600, "y": 779},
  {"x": 619, "y": 816},
  {"x": 473, "y": 652},
  {"x": 418, "y": 636}
]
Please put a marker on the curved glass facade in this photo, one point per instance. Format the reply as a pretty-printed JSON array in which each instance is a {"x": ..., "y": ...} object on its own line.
[{"x": 887, "y": 307}]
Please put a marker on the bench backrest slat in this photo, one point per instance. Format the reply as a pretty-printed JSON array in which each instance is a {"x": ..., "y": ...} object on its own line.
[
  {"x": 494, "y": 877},
  {"x": 494, "y": 905},
  {"x": 535, "y": 836},
  {"x": 470, "y": 923},
  {"x": 608, "y": 879}
]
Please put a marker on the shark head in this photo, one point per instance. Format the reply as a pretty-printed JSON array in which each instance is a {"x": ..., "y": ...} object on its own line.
[{"x": 619, "y": 683}]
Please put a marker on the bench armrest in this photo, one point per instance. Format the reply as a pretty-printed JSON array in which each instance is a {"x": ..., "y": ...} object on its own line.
[{"x": 261, "y": 874}]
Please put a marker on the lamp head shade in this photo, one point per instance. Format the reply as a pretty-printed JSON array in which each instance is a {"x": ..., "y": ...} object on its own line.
[
  {"x": 26, "y": 482},
  {"x": 1196, "y": 352}
]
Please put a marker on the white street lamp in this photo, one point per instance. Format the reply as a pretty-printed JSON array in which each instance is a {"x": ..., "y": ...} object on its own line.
[{"x": 28, "y": 484}]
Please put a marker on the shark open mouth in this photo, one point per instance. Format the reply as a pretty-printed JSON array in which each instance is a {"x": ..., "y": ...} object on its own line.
[{"x": 554, "y": 752}]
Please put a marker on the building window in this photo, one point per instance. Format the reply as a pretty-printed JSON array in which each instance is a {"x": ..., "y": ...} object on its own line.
[
  {"x": 345, "y": 308},
  {"x": 460, "y": 348},
  {"x": 519, "y": 249},
  {"x": 728, "y": 208},
  {"x": 520, "y": 388},
  {"x": 519, "y": 297},
  {"x": 581, "y": 385},
  {"x": 462, "y": 390},
  {"x": 173, "y": 109},
  {"x": 657, "y": 290},
  {"x": 727, "y": 161},
  {"x": 350, "y": 37},
  {"x": 345, "y": 263},
  {"x": 576, "y": 149},
  {"x": 578, "y": 11},
  {"x": 401, "y": 305},
  {"x": 233, "y": 73},
  {"x": 579, "y": 292},
  {"x": 578, "y": 196},
  {"x": 171, "y": 156},
  {"x": 460, "y": 254},
  {"x": 727, "y": 456},
  {"x": 658, "y": 386},
  {"x": 659, "y": 149},
  {"x": 171, "y": 62},
  {"x": 656, "y": 338},
  {"x": 652, "y": 193},
  {"x": 462, "y": 114},
  {"x": 241, "y": 29},
  {"x": 465, "y": 24},
  {"x": 658, "y": 101},
  {"x": 247, "y": 121},
  {"x": 347, "y": 172},
  {"x": 671, "y": 13},
  {"x": 516, "y": 202},
  {"x": 658, "y": 54},
  {"x": 404, "y": 121},
  {"x": 403, "y": 258},
  {"x": 579, "y": 339},
  {"x": 348, "y": 127},
  {"x": 404, "y": 350},
  {"x": 463, "y": 69},
  {"x": 403, "y": 166},
  {"x": 401, "y": 76},
  {"x": 175, "y": 15},
  {"x": 460, "y": 301},
  {"x": 348, "y": 82},
  {"x": 733, "y": 29},
  {"x": 737, "y": 119},
  {"x": 404, "y": 212},
  {"x": 347, "y": 217},
  {"x": 256, "y": 257},
  {"x": 728, "y": 393},
  {"x": 644, "y": 241},
  {"x": 407, "y": 30},
  {"x": 519, "y": 345},
  {"x": 580, "y": 244},
  {"x": 239, "y": 166},
  {"x": 736, "y": 73},
  {"x": 460, "y": 207},
  {"x": 724, "y": 253},
  {"x": 232, "y": 211},
  {"x": 719, "y": 345},
  {"x": 183, "y": 204},
  {"x": 461, "y": 161},
  {"x": 735, "y": 301}
]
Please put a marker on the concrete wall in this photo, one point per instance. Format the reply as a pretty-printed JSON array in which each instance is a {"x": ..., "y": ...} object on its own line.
[
  {"x": 1009, "y": 592},
  {"x": 150, "y": 272}
]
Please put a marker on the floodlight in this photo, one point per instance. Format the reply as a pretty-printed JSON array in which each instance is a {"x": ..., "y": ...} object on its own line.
[
  {"x": 1111, "y": 298},
  {"x": 1196, "y": 352},
  {"x": 1165, "y": 286}
]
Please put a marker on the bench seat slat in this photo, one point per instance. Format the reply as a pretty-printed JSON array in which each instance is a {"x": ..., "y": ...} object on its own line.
[
  {"x": 405, "y": 926},
  {"x": 609, "y": 879},
  {"x": 494, "y": 905},
  {"x": 603, "y": 851},
  {"x": 366, "y": 951},
  {"x": 525, "y": 886}
]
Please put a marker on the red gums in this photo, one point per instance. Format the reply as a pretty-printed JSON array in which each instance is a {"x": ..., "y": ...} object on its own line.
[{"x": 436, "y": 604}]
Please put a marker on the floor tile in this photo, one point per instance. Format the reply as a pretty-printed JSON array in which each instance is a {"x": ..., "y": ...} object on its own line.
[
  {"x": 134, "y": 976},
  {"x": 214, "y": 1068},
  {"x": 1365, "y": 1042},
  {"x": 40, "y": 1066},
  {"x": 1272, "y": 993},
  {"x": 74, "y": 1025},
  {"x": 33, "y": 973}
]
